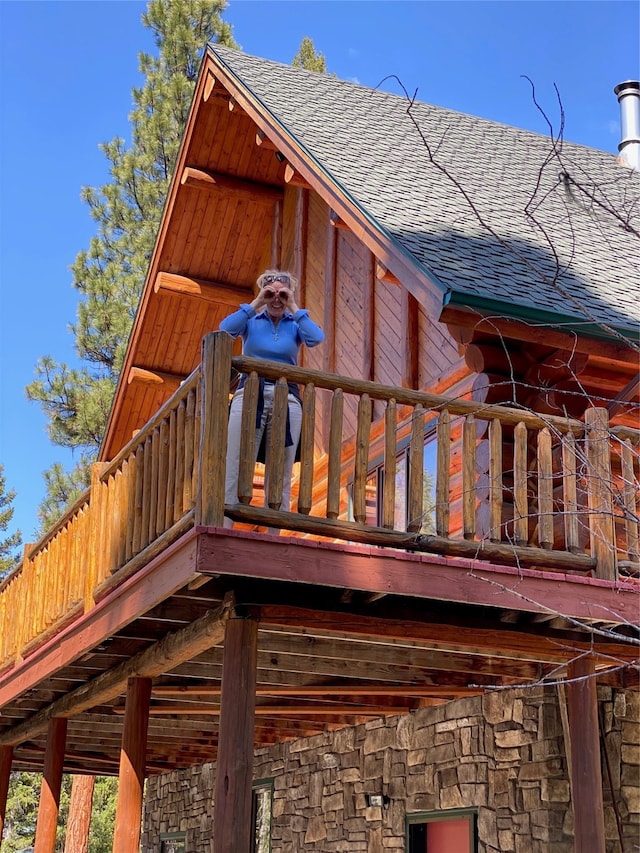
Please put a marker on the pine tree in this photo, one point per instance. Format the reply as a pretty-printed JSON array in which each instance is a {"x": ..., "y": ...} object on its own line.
[
  {"x": 9, "y": 546},
  {"x": 109, "y": 275},
  {"x": 307, "y": 57}
]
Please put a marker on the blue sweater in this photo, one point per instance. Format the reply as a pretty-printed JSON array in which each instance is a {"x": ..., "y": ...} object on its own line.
[{"x": 263, "y": 339}]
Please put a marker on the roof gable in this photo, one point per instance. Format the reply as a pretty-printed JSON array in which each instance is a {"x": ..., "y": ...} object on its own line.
[{"x": 481, "y": 208}]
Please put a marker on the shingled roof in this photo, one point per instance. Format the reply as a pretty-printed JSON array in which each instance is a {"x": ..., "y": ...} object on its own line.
[{"x": 500, "y": 218}]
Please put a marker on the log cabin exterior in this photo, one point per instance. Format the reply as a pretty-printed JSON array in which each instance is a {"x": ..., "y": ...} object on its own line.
[{"x": 476, "y": 287}]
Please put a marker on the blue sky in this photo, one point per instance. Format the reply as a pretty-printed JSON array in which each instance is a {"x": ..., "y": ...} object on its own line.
[{"x": 66, "y": 74}]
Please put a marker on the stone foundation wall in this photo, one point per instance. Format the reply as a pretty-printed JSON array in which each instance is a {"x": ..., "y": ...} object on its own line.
[{"x": 502, "y": 754}]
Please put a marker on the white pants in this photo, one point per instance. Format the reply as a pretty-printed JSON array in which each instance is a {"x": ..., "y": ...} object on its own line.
[{"x": 233, "y": 444}]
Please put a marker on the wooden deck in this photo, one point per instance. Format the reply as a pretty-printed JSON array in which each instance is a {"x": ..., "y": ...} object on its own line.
[{"x": 531, "y": 561}]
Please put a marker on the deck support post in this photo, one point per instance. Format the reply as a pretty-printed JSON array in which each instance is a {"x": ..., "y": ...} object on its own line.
[
  {"x": 48, "y": 807},
  {"x": 216, "y": 378},
  {"x": 126, "y": 838},
  {"x": 6, "y": 759},
  {"x": 585, "y": 771},
  {"x": 79, "y": 821},
  {"x": 234, "y": 770}
]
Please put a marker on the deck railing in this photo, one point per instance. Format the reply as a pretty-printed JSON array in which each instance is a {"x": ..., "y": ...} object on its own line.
[
  {"x": 137, "y": 504},
  {"x": 511, "y": 486}
]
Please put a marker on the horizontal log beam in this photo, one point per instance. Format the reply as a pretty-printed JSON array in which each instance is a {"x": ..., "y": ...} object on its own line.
[
  {"x": 335, "y": 220},
  {"x": 294, "y": 178},
  {"x": 211, "y": 87},
  {"x": 629, "y": 394},
  {"x": 507, "y": 554},
  {"x": 326, "y": 709},
  {"x": 383, "y": 274},
  {"x": 214, "y": 181},
  {"x": 521, "y": 331},
  {"x": 507, "y": 643},
  {"x": 403, "y": 396},
  {"x": 427, "y": 690},
  {"x": 264, "y": 142},
  {"x": 175, "y": 648},
  {"x": 143, "y": 376},
  {"x": 209, "y": 291}
]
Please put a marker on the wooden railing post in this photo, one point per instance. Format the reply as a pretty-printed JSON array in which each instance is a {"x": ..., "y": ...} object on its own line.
[
  {"x": 601, "y": 524},
  {"x": 26, "y": 599},
  {"x": 216, "y": 373},
  {"x": 96, "y": 533}
]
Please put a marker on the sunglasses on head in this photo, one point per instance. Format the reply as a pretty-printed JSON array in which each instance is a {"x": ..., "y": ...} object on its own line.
[
  {"x": 271, "y": 294},
  {"x": 283, "y": 278}
]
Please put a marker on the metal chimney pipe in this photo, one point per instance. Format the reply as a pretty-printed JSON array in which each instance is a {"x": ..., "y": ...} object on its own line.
[{"x": 629, "y": 99}]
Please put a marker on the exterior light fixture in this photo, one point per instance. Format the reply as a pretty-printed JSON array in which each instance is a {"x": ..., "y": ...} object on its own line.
[{"x": 380, "y": 801}]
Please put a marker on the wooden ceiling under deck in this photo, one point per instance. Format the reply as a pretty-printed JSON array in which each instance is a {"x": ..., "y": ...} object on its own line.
[{"x": 327, "y": 657}]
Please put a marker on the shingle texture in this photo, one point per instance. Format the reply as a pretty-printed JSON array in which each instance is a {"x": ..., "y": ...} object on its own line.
[{"x": 480, "y": 206}]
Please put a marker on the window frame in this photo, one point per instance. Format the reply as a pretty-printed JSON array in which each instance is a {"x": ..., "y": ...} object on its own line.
[
  {"x": 172, "y": 836},
  {"x": 257, "y": 787},
  {"x": 376, "y": 469},
  {"x": 441, "y": 816}
]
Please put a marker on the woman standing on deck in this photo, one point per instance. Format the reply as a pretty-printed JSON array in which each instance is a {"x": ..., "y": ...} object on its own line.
[{"x": 272, "y": 327}]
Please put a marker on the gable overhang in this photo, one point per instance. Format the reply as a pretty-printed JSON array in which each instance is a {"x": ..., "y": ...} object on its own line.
[
  {"x": 389, "y": 252},
  {"x": 217, "y": 82}
]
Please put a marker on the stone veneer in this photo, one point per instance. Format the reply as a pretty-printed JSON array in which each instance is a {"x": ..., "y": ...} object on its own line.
[{"x": 502, "y": 754}]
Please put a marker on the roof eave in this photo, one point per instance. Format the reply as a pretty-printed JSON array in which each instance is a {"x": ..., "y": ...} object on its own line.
[{"x": 566, "y": 323}]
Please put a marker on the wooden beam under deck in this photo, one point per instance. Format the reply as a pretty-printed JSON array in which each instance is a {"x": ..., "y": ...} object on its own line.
[
  {"x": 171, "y": 651},
  {"x": 326, "y": 690},
  {"x": 423, "y": 576}
]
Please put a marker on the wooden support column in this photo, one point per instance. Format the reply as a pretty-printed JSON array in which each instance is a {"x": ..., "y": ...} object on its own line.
[
  {"x": 585, "y": 773},
  {"x": 50, "y": 789},
  {"x": 126, "y": 838},
  {"x": 300, "y": 242},
  {"x": 6, "y": 758},
  {"x": 411, "y": 337},
  {"x": 276, "y": 235},
  {"x": 79, "y": 821},
  {"x": 216, "y": 376},
  {"x": 234, "y": 771}
]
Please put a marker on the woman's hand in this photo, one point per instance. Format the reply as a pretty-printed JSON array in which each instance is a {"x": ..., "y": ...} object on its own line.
[
  {"x": 271, "y": 293},
  {"x": 288, "y": 299}
]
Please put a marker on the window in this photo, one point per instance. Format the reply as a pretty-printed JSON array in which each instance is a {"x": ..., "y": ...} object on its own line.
[
  {"x": 261, "y": 816},
  {"x": 452, "y": 831},
  {"x": 375, "y": 488},
  {"x": 173, "y": 842}
]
